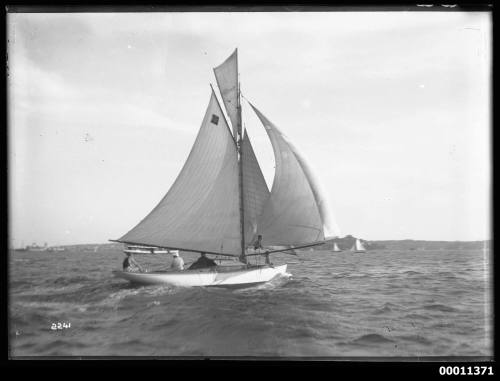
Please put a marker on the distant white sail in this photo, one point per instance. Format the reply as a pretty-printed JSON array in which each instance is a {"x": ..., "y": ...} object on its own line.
[
  {"x": 335, "y": 247},
  {"x": 201, "y": 210},
  {"x": 358, "y": 246},
  {"x": 226, "y": 75},
  {"x": 293, "y": 214}
]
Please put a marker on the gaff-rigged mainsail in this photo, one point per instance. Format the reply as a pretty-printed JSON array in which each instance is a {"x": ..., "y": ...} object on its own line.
[
  {"x": 295, "y": 211},
  {"x": 200, "y": 212}
]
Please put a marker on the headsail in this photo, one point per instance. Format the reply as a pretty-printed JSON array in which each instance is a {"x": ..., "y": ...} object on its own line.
[
  {"x": 295, "y": 212},
  {"x": 200, "y": 212},
  {"x": 226, "y": 75},
  {"x": 255, "y": 191}
]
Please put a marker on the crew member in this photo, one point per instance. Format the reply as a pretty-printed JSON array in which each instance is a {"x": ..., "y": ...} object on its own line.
[
  {"x": 131, "y": 265},
  {"x": 203, "y": 262},
  {"x": 177, "y": 262}
]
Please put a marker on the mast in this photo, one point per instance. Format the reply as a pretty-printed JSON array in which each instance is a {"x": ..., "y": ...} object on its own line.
[{"x": 240, "y": 170}]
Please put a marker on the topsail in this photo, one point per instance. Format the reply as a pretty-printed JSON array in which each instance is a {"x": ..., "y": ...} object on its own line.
[{"x": 226, "y": 75}]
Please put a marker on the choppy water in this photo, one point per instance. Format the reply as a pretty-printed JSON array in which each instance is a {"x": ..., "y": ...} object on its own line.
[{"x": 381, "y": 303}]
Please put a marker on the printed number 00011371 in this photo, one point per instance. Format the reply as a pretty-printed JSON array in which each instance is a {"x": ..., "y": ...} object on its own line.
[{"x": 466, "y": 370}]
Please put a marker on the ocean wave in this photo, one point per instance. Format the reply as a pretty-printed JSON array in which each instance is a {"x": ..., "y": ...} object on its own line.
[
  {"x": 411, "y": 272},
  {"x": 169, "y": 323},
  {"x": 50, "y": 292},
  {"x": 15, "y": 332},
  {"x": 63, "y": 344},
  {"x": 159, "y": 290},
  {"x": 21, "y": 260},
  {"x": 439, "y": 307},
  {"x": 357, "y": 275},
  {"x": 306, "y": 332},
  {"x": 114, "y": 299},
  {"x": 371, "y": 338},
  {"x": 50, "y": 308},
  {"x": 128, "y": 342},
  {"x": 382, "y": 311},
  {"x": 441, "y": 325},
  {"x": 17, "y": 284},
  {"x": 387, "y": 307},
  {"x": 71, "y": 280},
  {"x": 417, "y": 316},
  {"x": 419, "y": 339}
]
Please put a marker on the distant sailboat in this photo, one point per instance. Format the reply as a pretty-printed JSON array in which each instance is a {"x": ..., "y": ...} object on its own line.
[
  {"x": 358, "y": 247},
  {"x": 336, "y": 248},
  {"x": 219, "y": 204}
]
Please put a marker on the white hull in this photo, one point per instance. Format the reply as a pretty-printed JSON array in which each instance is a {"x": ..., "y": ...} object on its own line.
[{"x": 193, "y": 278}]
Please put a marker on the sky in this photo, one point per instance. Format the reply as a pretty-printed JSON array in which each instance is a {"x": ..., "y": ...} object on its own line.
[{"x": 390, "y": 109}]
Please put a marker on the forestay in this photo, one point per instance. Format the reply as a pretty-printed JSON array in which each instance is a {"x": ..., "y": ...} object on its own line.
[{"x": 200, "y": 212}]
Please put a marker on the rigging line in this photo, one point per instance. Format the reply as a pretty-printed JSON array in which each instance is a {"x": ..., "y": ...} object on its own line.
[{"x": 297, "y": 247}]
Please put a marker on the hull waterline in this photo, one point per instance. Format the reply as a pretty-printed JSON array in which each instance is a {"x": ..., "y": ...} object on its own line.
[{"x": 206, "y": 278}]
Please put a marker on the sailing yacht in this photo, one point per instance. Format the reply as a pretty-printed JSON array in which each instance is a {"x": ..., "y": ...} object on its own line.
[
  {"x": 220, "y": 203},
  {"x": 358, "y": 247},
  {"x": 336, "y": 248}
]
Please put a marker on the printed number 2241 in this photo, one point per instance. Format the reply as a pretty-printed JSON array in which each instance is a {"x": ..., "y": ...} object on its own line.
[{"x": 59, "y": 325}]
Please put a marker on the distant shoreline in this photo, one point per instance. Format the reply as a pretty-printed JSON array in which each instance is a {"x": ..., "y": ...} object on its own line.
[{"x": 346, "y": 243}]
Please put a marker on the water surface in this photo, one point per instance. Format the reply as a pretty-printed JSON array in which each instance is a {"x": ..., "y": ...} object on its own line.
[{"x": 379, "y": 303}]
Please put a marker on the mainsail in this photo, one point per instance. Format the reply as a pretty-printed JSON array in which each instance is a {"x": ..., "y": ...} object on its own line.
[
  {"x": 294, "y": 212},
  {"x": 200, "y": 212},
  {"x": 226, "y": 75}
]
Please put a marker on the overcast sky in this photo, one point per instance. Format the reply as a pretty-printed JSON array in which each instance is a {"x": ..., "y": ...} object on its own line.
[{"x": 391, "y": 110}]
